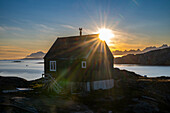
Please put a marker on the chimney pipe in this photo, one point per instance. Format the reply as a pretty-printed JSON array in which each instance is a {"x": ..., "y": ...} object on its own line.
[{"x": 80, "y": 31}]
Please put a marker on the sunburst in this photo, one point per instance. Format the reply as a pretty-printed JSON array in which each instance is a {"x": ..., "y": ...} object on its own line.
[{"x": 106, "y": 34}]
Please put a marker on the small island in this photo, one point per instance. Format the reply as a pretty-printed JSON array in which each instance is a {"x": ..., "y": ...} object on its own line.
[{"x": 16, "y": 61}]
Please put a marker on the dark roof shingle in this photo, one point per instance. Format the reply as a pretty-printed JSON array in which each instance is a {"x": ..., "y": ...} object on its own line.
[{"x": 72, "y": 47}]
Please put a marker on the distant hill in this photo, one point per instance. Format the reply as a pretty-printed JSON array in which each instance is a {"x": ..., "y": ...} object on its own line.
[
  {"x": 138, "y": 51},
  {"x": 35, "y": 56},
  {"x": 155, "y": 57}
]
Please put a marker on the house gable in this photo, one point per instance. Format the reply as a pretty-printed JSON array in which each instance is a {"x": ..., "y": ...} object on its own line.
[
  {"x": 81, "y": 56},
  {"x": 72, "y": 47},
  {"x": 81, "y": 61}
]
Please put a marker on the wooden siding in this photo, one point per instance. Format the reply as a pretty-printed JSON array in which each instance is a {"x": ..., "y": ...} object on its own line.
[{"x": 99, "y": 63}]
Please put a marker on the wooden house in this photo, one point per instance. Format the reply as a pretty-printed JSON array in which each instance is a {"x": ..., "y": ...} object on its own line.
[{"x": 83, "y": 62}]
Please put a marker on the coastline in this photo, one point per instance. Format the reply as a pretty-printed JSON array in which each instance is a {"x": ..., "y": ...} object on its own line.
[
  {"x": 143, "y": 64},
  {"x": 131, "y": 92}
]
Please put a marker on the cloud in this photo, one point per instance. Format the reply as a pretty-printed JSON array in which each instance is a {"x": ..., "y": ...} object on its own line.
[
  {"x": 13, "y": 28},
  {"x": 68, "y": 26},
  {"x": 135, "y": 2},
  {"x": 2, "y": 29},
  {"x": 45, "y": 29},
  {"x": 12, "y": 52},
  {"x": 124, "y": 40},
  {"x": 85, "y": 31},
  {"x": 11, "y": 49},
  {"x": 7, "y": 28},
  {"x": 88, "y": 31}
]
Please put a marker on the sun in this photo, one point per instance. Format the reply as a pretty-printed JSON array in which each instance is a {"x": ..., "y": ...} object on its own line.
[{"x": 105, "y": 34}]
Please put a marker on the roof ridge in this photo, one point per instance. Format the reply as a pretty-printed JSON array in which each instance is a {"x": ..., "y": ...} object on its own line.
[{"x": 78, "y": 36}]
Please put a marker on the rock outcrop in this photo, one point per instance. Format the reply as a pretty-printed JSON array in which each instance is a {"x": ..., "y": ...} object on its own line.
[
  {"x": 12, "y": 82},
  {"x": 156, "y": 57}
]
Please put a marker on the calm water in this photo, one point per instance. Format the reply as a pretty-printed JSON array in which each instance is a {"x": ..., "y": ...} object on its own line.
[
  {"x": 31, "y": 69},
  {"x": 27, "y": 69},
  {"x": 150, "y": 71}
]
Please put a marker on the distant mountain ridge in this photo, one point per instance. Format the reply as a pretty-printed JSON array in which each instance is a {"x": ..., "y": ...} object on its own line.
[
  {"x": 35, "y": 56},
  {"x": 40, "y": 54},
  {"x": 138, "y": 51},
  {"x": 154, "y": 57}
]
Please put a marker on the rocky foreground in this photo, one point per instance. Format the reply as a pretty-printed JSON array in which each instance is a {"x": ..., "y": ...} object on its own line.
[{"x": 132, "y": 93}]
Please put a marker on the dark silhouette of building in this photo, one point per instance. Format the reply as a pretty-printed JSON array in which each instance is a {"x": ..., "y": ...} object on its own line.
[{"x": 83, "y": 62}]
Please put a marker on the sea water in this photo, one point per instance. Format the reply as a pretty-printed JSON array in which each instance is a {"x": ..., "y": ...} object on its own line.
[
  {"x": 27, "y": 69},
  {"x": 33, "y": 69},
  {"x": 150, "y": 71}
]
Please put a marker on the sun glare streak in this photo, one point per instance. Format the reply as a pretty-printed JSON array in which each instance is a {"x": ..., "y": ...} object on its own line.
[
  {"x": 106, "y": 34},
  {"x": 96, "y": 44},
  {"x": 107, "y": 62}
]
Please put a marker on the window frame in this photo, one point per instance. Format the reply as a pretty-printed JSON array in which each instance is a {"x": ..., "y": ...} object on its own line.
[
  {"x": 83, "y": 64},
  {"x": 51, "y": 66}
]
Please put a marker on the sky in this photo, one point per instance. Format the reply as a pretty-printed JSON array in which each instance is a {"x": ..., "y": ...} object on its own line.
[{"x": 28, "y": 26}]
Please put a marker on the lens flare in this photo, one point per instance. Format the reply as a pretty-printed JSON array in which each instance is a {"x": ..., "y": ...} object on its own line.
[{"x": 105, "y": 34}]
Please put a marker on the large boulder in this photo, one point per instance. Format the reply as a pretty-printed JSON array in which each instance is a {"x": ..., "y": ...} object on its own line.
[{"x": 12, "y": 82}]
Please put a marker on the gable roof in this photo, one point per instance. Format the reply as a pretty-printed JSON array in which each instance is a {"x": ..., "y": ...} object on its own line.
[{"x": 74, "y": 47}]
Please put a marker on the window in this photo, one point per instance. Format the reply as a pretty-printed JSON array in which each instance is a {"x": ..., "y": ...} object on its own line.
[
  {"x": 52, "y": 65},
  {"x": 83, "y": 64}
]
